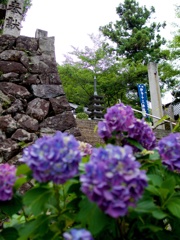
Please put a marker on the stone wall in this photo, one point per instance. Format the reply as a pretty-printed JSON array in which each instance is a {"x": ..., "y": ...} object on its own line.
[
  {"x": 32, "y": 100},
  {"x": 88, "y": 129}
]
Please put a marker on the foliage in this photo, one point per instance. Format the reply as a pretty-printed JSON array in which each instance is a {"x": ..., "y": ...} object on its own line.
[
  {"x": 81, "y": 115},
  {"x": 79, "y": 109},
  {"x": 118, "y": 191},
  {"x": 77, "y": 83},
  {"x": 116, "y": 79},
  {"x": 170, "y": 69},
  {"x": 80, "y": 68},
  {"x": 119, "y": 61},
  {"x": 135, "y": 38}
]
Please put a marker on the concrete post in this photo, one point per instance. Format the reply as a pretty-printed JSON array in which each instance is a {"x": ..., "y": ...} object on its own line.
[
  {"x": 40, "y": 33},
  {"x": 155, "y": 93}
]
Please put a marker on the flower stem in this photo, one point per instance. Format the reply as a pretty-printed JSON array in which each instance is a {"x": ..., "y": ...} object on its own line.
[{"x": 57, "y": 197}]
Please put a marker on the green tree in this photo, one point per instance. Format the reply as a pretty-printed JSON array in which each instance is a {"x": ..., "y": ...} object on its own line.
[
  {"x": 136, "y": 38},
  {"x": 170, "y": 69},
  {"x": 81, "y": 66},
  {"x": 116, "y": 78},
  {"x": 77, "y": 83}
]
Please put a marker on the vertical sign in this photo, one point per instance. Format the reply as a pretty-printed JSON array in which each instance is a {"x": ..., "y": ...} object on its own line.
[
  {"x": 14, "y": 15},
  {"x": 143, "y": 98}
]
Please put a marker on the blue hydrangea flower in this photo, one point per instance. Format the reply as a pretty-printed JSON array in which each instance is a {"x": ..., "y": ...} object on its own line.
[
  {"x": 169, "y": 150},
  {"x": 113, "y": 179},
  {"x": 143, "y": 133},
  {"x": 7, "y": 180},
  {"x": 53, "y": 158},
  {"x": 77, "y": 234}
]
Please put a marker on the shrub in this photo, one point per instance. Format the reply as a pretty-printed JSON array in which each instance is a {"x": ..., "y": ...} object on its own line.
[
  {"x": 125, "y": 189},
  {"x": 81, "y": 115}
]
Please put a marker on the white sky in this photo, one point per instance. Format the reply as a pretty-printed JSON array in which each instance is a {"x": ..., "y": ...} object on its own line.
[{"x": 70, "y": 21}]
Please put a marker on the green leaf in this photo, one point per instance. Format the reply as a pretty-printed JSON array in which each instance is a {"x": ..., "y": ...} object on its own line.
[
  {"x": 35, "y": 229},
  {"x": 90, "y": 215},
  {"x": 145, "y": 206},
  {"x": 159, "y": 214},
  {"x": 152, "y": 227},
  {"x": 160, "y": 121},
  {"x": 9, "y": 234},
  {"x": 154, "y": 155},
  {"x": 169, "y": 184},
  {"x": 74, "y": 188},
  {"x": 82, "y": 167},
  {"x": 20, "y": 181},
  {"x": 153, "y": 190},
  {"x": 11, "y": 207},
  {"x": 23, "y": 169},
  {"x": 37, "y": 198},
  {"x": 155, "y": 179},
  {"x": 135, "y": 143},
  {"x": 173, "y": 205}
]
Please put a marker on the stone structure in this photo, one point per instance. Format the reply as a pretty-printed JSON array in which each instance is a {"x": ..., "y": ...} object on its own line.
[
  {"x": 32, "y": 100},
  {"x": 95, "y": 107},
  {"x": 2, "y": 16}
]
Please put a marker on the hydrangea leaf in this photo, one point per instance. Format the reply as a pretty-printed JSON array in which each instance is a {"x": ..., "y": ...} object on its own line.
[
  {"x": 169, "y": 184},
  {"x": 11, "y": 207},
  {"x": 23, "y": 169},
  {"x": 135, "y": 143},
  {"x": 173, "y": 206},
  {"x": 145, "y": 206},
  {"x": 90, "y": 215},
  {"x": 155, "y": 179},
  {"x": 35, "y": 229},
  {"x": 153, "y": 190},
  {"x": 9, "y": 234},
  {"x": 159, "y": 214},
  {"x": 37, "y": 198}
]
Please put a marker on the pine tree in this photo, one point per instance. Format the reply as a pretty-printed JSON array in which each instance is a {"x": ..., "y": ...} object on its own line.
[{"x": 135, "y": 37}]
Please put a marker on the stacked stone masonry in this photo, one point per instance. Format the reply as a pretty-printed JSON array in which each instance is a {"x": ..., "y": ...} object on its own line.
[{"x": 32, "y": 100}]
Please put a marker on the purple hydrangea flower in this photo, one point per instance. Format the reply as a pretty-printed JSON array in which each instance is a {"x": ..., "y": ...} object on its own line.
[
  {"x": 143, "y": 133},
  {"x": 7, "y": 180},
  {"x": 103, "y": 130},
  {"x": 77, "y": 234},
  {"x": 113, "y": 179},
  {"x": 53, "y": 158},
  {"x": 119, "y": 117},
  {"x": 169, "y": 150}
]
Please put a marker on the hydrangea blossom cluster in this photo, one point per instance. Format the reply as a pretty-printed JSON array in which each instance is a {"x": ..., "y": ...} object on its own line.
[
  {"x": 169, "y": 150},
  {"x": 53, "y": 158},
  {"x": 77, "y": 234},
  {"x": 7, "y": 180},
  {"x": 113, "y": 179},
  {"x": 117, "y": 119},
  {"x": 120, "y": 120},
  {"x": 142, "y": 132},
  {"x": 85, "y": 148}
]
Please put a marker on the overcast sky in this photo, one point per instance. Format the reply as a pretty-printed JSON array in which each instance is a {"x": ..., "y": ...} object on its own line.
[{"x": 70, "y": 21}]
